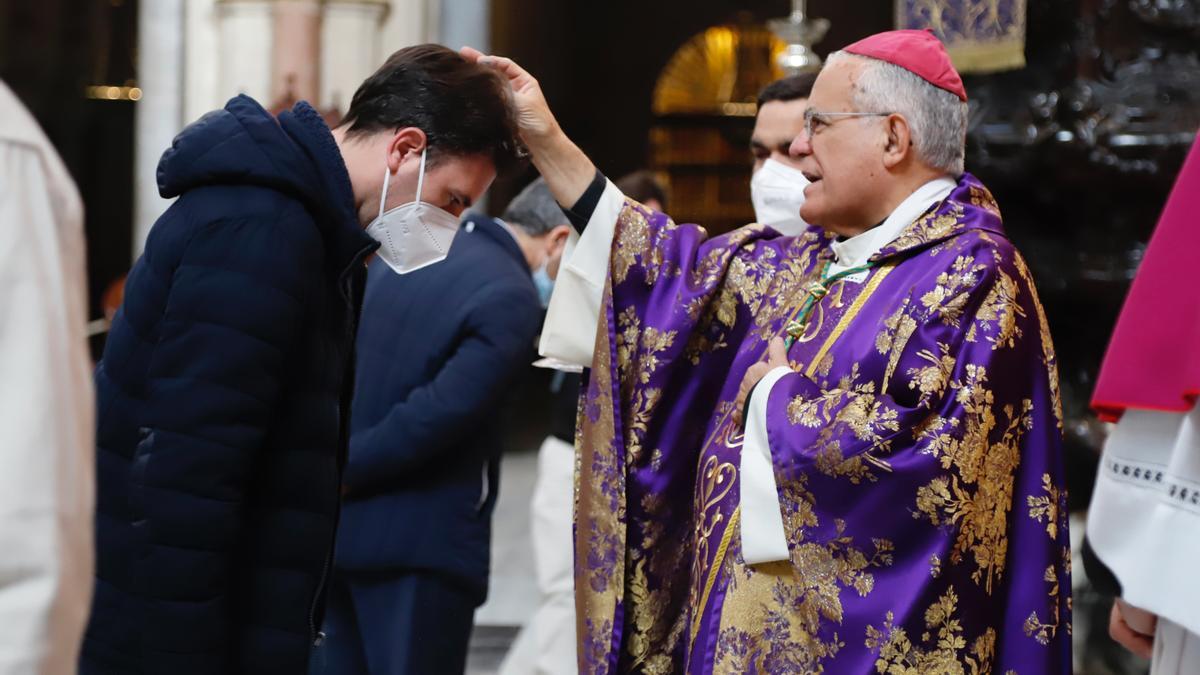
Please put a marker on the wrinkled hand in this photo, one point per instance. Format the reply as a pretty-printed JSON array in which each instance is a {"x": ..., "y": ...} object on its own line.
[
  {"x": 534, "y": 119},
  {"x": 776, "y": 357},
  {"x": 1136, "y": 641}
]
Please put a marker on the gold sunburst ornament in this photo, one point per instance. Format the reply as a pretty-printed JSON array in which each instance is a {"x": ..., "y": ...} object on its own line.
[{"x": 719, "y": 71}]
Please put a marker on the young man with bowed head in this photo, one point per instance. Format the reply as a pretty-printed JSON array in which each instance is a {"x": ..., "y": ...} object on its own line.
[{"x": 224, "y": 390}]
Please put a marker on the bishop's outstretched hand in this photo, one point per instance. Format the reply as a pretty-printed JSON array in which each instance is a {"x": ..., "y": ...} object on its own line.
[
  {"x": 534, "y": 119},
  {"x": 567, "y": 171}
]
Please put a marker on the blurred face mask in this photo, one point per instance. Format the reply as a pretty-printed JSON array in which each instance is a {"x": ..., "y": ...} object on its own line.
[
  {"x": 545, "y": 285},
  {"x": 777, "y": 191},
  {"x": 412, "y": 235}
]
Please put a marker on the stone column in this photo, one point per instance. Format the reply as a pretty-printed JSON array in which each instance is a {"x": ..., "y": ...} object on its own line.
[
  {"x": 201, "y": 69},
  {"x": 159, "y": 114},
  {"x": 296, "y": 52},
  {"x": 245, "y": 38},
  {"x": 466, "y": 22},
  {"x": 409, "y": 22},
  {"x": 350, "y": 48}
]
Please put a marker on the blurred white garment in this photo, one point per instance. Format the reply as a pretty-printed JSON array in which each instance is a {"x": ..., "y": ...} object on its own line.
[
  {"x": 546, "y": 645},
  {"x": 1144, "y": 524},
  {"x": 1176, "y": 651},
  {"x": 47, "y": 465},
  {"x": 1144, "y": 519}
]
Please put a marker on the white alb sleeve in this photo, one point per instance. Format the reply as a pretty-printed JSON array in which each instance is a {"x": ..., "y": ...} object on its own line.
[
  {"x": 763, "y": 537},
  {"x": 569, "y": 334}
]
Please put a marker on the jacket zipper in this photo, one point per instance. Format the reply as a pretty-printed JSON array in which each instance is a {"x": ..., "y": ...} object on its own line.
[{"x": 353, "y": 299}]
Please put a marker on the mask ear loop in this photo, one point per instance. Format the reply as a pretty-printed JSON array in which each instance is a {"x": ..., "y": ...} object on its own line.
[
  {"x": 421, "y": 175},
  {"x": 387, "y": 175}
]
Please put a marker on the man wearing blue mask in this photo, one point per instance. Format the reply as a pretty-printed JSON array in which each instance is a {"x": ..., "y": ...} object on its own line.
[
  {"x": 438, "y": 350},
  {"x": 540, "y": 229},
  {"x": 777, "y": 187},
  {"x": 224, "y": 390}
]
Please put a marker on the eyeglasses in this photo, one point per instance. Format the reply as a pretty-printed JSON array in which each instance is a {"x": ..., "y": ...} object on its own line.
[{"x": 815, "y": 121}]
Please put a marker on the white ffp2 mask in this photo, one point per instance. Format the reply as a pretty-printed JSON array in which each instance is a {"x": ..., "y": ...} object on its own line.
[
  {"x": 413, "y": 235},
  {"x": 777, "y": 191}
]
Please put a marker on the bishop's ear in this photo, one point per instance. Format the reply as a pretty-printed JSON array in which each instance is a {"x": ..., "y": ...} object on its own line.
[{"x": 899, "y": 143}]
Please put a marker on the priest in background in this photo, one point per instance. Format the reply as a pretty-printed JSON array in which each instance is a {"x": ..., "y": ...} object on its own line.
[
  {"x": 777, "y": 185},
  {"x": 1145, "y": 512},
  {"x": 894, "y": 502}
]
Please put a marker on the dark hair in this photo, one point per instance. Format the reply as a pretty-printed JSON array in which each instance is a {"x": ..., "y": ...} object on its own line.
[
  {"x": 788, "y": 89},
  {"x": 642, "y": 186},
  {"x": 463, "y": 108}
]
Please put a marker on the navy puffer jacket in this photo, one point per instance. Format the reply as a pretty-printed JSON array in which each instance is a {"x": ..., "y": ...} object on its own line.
[{"x": 223, "y": 401}]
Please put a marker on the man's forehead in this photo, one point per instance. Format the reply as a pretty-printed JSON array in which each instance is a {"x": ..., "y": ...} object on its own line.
[
  {"x": 780, "y": 114},
  {"x": 835, "y": 85}
]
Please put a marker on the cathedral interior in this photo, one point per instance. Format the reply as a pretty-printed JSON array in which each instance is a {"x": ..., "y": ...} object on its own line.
[{"x": 1079, "y": 133}]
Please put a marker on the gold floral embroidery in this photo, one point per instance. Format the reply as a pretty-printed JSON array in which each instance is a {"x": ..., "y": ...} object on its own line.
[
  {"x": 600, "y": 510},
  {"x": 639, "y": 353},
  {"x": 927, "y": 228},
  {"x": 642, "y": 405},
  {"x": 1049, "y": 359},
  {"x": 858, "y": 409},
  {"x": 711, "y": 269},
  {"x": 739, "y": 276},
  {"x": 633, "y": 239},
  {"x": 945, "y": 647},
  {"x": 825, "y": 366},
  {"x": 931, "y": 380},
  {"x": 949, "y": 298},
  {"x": 773, "y": 614},
  {"x": 982, "y": 197},
  {"x": 898, "y": 328},
  {"x": 1050, "y": 507},
  {"x": 634, "y": 244},
  {"x": 792, "y": 273},
  {"x": 1043, "y": 633},
  {"x": 654, "y": 633},
  {"x": 978, "y": 495},
  {"x": 999, "y": 312}
]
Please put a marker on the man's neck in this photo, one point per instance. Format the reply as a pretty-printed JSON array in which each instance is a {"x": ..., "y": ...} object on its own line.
[
  {"x": 352, "y": 150},
  {"x": 525, "y": 242},
  {"x": 899, "y": 191}
]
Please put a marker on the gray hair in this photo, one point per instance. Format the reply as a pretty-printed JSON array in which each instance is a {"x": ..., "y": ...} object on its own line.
[
  {"x": 534, "y": 210},
  {"x": 937, "y": 118}
]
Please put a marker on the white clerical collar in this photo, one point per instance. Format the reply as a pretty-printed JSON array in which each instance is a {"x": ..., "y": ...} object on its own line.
[{"x": 856, "y": 250}]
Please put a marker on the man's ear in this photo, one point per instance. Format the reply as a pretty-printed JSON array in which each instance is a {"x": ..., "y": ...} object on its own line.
[
  {"x": 559, "y": 235},
  {"x": 406, "y": 143},
  {"x": 898, "y": 145}
]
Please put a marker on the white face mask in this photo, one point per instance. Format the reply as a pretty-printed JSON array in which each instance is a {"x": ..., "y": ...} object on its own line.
[
  {"x": 777, "y": 191},
  {"x": 412, "y": 235}
]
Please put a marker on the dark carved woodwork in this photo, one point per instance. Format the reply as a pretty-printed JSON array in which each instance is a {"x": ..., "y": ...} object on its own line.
[{"x": 1081, "y": 148}]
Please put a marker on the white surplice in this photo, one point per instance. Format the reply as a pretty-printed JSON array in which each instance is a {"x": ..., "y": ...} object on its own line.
[{"x": 1144, "y": 524}]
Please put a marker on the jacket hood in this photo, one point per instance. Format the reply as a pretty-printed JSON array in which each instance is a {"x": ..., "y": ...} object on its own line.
[{"x": 243, "y": 144}]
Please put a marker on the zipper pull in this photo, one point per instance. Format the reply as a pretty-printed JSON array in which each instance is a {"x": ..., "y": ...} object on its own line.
[{"x": 319, "y": 639}]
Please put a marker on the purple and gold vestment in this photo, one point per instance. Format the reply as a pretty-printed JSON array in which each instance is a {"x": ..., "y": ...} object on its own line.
[{"x": 916, "y": 449}]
